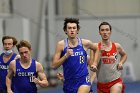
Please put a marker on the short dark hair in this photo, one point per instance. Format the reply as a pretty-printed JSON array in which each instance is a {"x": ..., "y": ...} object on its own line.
[
  {"x": 71, "y": 20},
  {"x": 10, "y": 37},
  {"x": 23, "y": 43},
  {"x": 105, "y": 23}
]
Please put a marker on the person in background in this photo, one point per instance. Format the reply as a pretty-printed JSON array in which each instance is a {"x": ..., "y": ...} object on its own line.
[
  {"x": 6, "y": 57},
  {"x": 26, "y": 71}
]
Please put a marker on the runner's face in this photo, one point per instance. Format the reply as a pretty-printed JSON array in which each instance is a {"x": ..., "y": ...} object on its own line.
[
  {"x": 105, "y": 32},
  {"x": 25, "y": 53},
  {"x": 72, "y": 30},
  {"x": 8, "y": 44}
]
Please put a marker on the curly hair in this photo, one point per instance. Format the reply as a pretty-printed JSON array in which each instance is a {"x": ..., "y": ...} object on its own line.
[{"x": 71, "y": 20}]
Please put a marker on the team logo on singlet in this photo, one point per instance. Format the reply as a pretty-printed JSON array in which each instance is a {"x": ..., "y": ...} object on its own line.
[
  {"x": 109, "y": 59},
  {"x": 27, "y": 74},
  {"x": 78, "y": 53},
  {"x": 4, "y": 67}
]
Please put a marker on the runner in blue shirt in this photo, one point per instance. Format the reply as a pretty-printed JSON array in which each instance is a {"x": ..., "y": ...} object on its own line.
[
  {"x": 5, "y": 58},
  {"x": 72, "y": 54},
  {"x": 26, "y": 71}
]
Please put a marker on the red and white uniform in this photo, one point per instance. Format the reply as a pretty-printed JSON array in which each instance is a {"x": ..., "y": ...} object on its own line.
[{"x": 107, "y": 73}]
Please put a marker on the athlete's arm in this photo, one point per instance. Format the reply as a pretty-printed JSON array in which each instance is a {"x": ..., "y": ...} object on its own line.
[
  {"x": 122, "y": 54},
  {"x": 42, "y": 81},
  {"x": 91, "y": 57},
  {"x": 9, "y": 76},
  {"x": 95, "y": 54},
  {"x": 92, "y": 77},
  {"x": 93, "y": 46},
  {"x": 57, "y": 59},
  {"x": 90, "y": 60}
]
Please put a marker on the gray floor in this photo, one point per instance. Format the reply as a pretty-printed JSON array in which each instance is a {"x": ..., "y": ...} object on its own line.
[{"x": 133, "y": 87}]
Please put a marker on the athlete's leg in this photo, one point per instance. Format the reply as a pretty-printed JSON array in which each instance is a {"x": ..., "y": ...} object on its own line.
[
  {"x": 117, "y": 88},
  {"x": 84, "y": 89}
]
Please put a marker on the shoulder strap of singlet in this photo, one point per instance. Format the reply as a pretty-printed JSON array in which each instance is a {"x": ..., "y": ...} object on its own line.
[
  {"x": 80, "y": 41},
  {"x": 65, "y": 43},
  {"x": 34, "y": 61},
  {"x": 17, "y": 63},
  {"x": 99, "y": 45},
  {"x": 12, "y": 57},
  {"x": 114, "y": 46},
  {"x": 33, "y": 67}
]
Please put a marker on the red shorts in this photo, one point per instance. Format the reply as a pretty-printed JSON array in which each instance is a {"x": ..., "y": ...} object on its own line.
[{"x": 105, "y": 87}]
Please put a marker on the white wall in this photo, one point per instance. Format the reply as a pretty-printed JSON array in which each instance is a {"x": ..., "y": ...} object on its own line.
[
  {"x": 32, "y": 11},
  {"x": 1, "y": 34}
]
